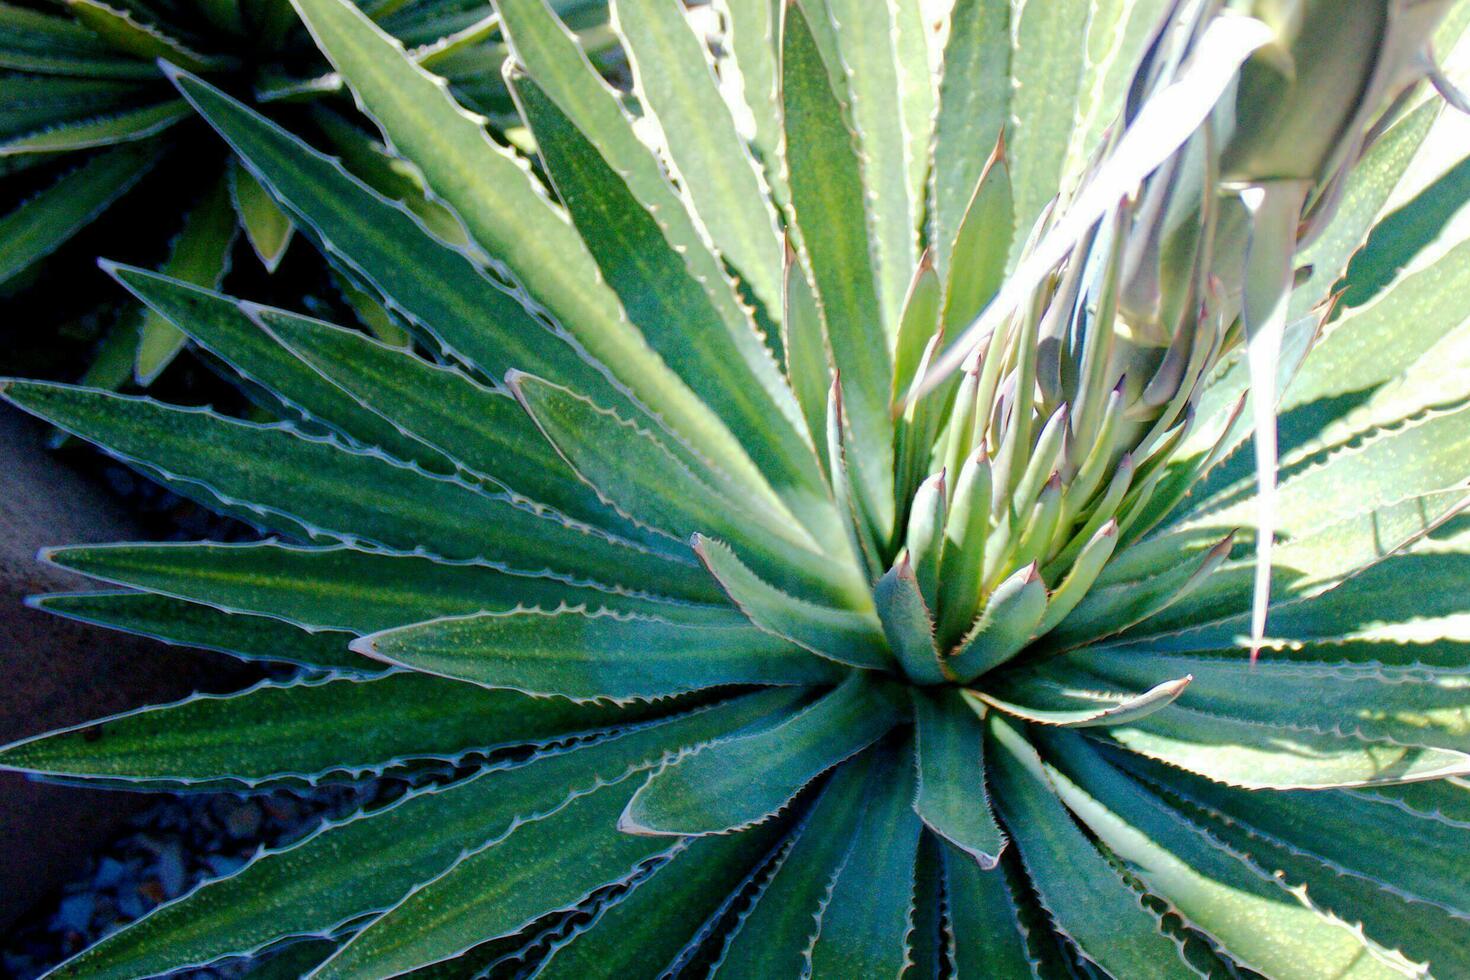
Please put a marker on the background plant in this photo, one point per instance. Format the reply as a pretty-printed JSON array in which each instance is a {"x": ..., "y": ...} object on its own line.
[
  {"x": 722, "y": 625},
  {"x": 87, "y": 118}
]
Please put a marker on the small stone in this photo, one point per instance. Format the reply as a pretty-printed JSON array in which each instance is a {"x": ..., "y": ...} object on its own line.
[
  {"x": 75, "y": 912},
  {"x": 109, "y": 873},
  {"x": 131, "y": 905},
  {"x": 243, "y": 821},
  {"x": 171, "y": 869},
  {"x": 152, "y": 892},
  {"x": 223, "y": 864}
]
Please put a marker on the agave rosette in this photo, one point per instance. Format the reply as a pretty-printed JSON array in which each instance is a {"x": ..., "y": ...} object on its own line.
[
  {"x": 719, "y": 626},
  {"x": 87, "y": 116}
]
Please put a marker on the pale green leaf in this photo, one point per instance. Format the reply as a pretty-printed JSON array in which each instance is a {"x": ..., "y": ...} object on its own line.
[
  {"x": 200, "y": 254},
  {"x": 268, "y": 227},
  {"x": 1046, "y": 73},
  {"x": 974, "y": 109},
  {"x": 867, "y": 38},
  {"x": 828, "y": 205},
  {"x": 674, "y": 80}
]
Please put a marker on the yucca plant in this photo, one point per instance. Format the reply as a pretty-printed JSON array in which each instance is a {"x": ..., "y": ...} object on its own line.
[
  {"x": 720, "y": 625},
  {"x": 86, "y": 114}
]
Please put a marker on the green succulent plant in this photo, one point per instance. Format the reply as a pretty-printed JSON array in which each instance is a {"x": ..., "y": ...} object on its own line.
[
  {"x": 86, "y": 114},
  {"x": 721, "y": 625}
]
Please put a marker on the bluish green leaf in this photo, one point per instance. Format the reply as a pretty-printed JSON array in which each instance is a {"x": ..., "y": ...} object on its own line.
[
  {"x": 666, "y": 913},
  {"x": 1087, "y": 898},
  {"x": 443, "y": 420},
  {"x": 952, "y": 798},
  {"x": 1056, "y": 692},
  {"x": 633, "y": 470},
  {"x": 843, "y": 635},
  {"x": 219, "y": 325},
  {"x": 481, "y": 321},
  {"x": 719, "y": 357},
  {"x": 368, "y": 862},
  {"x": 1249, "y": 914},
  {"x": 1422, "y": 931},
  {"x": 987, "y": 937},
  {"x": 908, "y": 624},
  {"x": 31, "y": 40},
  {"x": 1259, "y": 755},
  {"x": 543, "y": 864},
  {"x": 1011, "y": 615},
  {"x": 744, "y": 780},
  {"x": 1414, "y": 707},
  {"x": 585, "y": 656},
  {"x": 505, "y": 209},
  {"x": 126, "y": 33},
  {"x": 864, "y": 926},
  {"x": 773, "y": 938},
  {"x": 125, "y": 126}
]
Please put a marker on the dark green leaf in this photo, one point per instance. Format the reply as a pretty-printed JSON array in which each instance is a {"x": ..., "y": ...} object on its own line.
[
  {"x": 307, "y": 730},
  {"x": 192, "y": 624}
]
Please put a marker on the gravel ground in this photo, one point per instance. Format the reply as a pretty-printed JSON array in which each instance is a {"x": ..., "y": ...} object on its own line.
[{"x": 165, "y": 852}]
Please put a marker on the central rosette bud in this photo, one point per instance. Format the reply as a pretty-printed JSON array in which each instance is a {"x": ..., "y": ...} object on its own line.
[{"x": 1068, "y": 434}]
